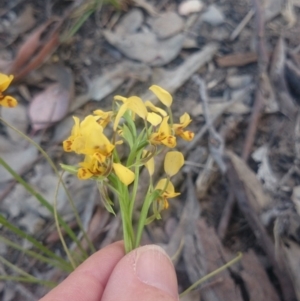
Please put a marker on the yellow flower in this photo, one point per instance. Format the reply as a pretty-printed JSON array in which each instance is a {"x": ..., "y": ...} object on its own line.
[
  {"x": 134, "y": 104},
  {"x": 154, "y": 117},
  {"x": 185, "y": 120},
  {"x": 168, "y": 192},
  {"x": 6, "y": 100},
  {"x": 125, "y": 175},
  {"x": 105, "y": 117},
  {"x": 155, "y": 109},
  {"x": 87, "y": 138},
  {"x": 173, "y": 162},
  {"x": 163, "y": 136},
  {"x": 91, "y": 167},
  {"x": 164, "y": 96}
]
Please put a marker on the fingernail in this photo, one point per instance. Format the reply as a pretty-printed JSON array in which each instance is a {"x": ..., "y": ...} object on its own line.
[{"x": 154, "y": 267}]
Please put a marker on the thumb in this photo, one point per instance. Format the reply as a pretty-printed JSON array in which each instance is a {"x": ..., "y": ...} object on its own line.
[{"x": 144, "y": 274}]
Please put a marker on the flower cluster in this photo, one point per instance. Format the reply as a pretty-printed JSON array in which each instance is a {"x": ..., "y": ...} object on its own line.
[
  {"x": 102, "y": 162},
  {"x": 6, "y": 100}
]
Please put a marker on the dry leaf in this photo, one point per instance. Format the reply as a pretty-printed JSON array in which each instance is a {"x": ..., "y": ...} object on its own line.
[
  {"x": 204, "y": 254},
  {"x": 265, "y": 173},
  {"x": 256, "y": 280},
  {"x": 277, "y": 76},
  {"x": 24, "y": 22},
  {"x": 49, "y": 106},
  {"x": 287, "y": 240},
  {"x": 52, "y": 104},
  {"x": 259, "y": 200},
  {"x": 35, "y": 49}
]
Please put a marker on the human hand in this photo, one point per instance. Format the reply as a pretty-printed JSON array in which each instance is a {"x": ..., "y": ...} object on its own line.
[{"x": 144, "y": 274}]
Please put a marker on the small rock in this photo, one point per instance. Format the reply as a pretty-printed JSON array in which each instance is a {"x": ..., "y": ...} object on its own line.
[
  {"x": 167, "y": 25},
  {"x": 190, "y": 6},
  {"x": 238, "y": 81},
  {"x": 131, "y": 22},
  {"x": 189, "y": 43},
  {"x": 213, "y": 16}
]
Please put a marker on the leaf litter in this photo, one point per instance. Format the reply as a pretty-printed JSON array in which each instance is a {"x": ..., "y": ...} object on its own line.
[{"x": 138, "y": 48}]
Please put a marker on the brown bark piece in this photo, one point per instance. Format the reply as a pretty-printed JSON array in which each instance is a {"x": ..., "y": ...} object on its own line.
[
  {"x": 256, "y": 280},
  {"x": 236, "y": 59}
]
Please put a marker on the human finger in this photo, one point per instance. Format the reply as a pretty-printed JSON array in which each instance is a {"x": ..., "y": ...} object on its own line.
[{"x": 88, "y": 281}]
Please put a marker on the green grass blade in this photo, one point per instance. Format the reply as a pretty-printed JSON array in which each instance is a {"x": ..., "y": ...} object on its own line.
[
  {"x": 45, "y": 203},
  {"x": 65, "y": 267},
  {"x": 37, "y": 244}
]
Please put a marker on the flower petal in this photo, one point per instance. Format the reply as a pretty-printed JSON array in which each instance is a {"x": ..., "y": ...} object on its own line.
[
  {"x": 169, "y": 141},
  {"x": 173, "y": 162},
  {"x": 8, "y": 101},
  {"x": 121, "y": 112},
  {"x": 169, "y": 190},
  {"x": 154, "y": 118},
  {"x": 125, "y": 175},
  {"x": 5, "y": 81},
  {"x": 187, "y": 135},
  {"x": 164, "y": 129},
  {"x": 84, "y": 174},
  {"x": 136, "y": 105},
  {"x": 121, "y": 98},
  {"x": 164, "y": 96},
  {"x": 75, "y": 129},
  {"x": 185, "y": 120},
  {"x": 156, "y": 109},
  {"x": 67, "y": 145},
  {"x": 161, "y": 184},
  {"x": 150, "y": 165}
]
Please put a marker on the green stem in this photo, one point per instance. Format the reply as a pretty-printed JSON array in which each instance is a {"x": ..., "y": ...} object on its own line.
[
  {"x": 135, "y": 185},
  {"x": 59, "y": 230},
  {"x": 124, "y": 202},
  {"x": 170, "y": 115},
  {"x": 150, "y": 197}
]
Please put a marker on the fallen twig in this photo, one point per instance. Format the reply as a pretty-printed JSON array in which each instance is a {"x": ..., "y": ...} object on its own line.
[
  {"x": 216, "y": 142},
  {"x": 242, "y": 25},
  {"x": 263, "y": 59}
]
